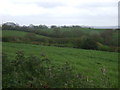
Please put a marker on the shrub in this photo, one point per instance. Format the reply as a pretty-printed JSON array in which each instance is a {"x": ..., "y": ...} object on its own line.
[
  {"x": 30, "y": 37},
  {"x": 88, "y": 43},
  {"x": 5, "y": 39},
  {"x": 107, "y": 37},
  {"x": 40, "y": 72},
  {"x": 11, "y": 39},
  {"x": 44, "y": 40},
  {"x": 105, "y": 48},
  {"x": 117, "y": 49},
  {"x": 96, "y": 37}
]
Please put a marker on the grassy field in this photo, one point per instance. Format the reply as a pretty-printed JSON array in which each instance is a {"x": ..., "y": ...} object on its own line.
[
  {"x": 18, "y": 33},
  {"x": 22, "y": 34},
  {"x": 13, "y": 33},
  {"x": 89, "y": 62}
]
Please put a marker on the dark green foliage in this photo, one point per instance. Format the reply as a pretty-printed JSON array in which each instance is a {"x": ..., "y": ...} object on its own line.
[
  {"x": 65, "y": 36},
  {"x": 39, "y": 72},
  {"x": 104, "y": 48},
  {"x": 107, "y": 36},
  {"x": 12, "y": 39},
  {"x": 88, "y": 43},
  {"x": 56, "y": 32},
  {"x": 30, "y": 37}
]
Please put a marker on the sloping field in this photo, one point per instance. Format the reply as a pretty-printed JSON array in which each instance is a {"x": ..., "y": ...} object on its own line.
[
  {"x": 88, "y": 62},
  {"x": 17, "y": 33}
]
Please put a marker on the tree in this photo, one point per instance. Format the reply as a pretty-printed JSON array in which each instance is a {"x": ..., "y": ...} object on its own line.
[
  {"x": 107, "y": 36},
  {"x": 53, "y": 26},
  {"x": 88, "y": 43},
  {"x": 10, "y": 26},
  {"x": 43, "y": 27},
  {"x": 56, "y": 32}
]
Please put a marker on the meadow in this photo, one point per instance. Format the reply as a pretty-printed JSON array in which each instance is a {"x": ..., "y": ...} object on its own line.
[
  {"x": 17, "y": 33},
  {"x": 91, "y": 52},
  {"x": 88, "y": 62}
]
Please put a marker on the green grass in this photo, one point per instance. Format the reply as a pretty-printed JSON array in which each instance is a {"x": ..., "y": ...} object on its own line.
[
  {"x": 13, "y": 33},
  {"x": 17, "y": 33},
  {"x": 85, "y": 61}
]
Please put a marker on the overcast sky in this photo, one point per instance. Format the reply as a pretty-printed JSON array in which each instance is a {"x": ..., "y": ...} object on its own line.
[{"x": 60, "y": 12}]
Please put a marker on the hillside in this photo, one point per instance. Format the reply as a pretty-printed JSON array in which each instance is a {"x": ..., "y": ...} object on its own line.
[
  {"x": 18, "y": 33},
  {"x": 88, "y": 62},
  {"x": 93, "y": 53}
]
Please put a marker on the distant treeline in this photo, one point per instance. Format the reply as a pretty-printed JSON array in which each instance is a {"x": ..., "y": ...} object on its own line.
[
  {"x": 52, "y": 31},
  {"x": 13, "y": 26}
]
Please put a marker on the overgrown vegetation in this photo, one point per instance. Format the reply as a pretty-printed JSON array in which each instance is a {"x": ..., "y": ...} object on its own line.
[
  {"x": 39, "y": 72},
  {"x": 64, "y": 36}
]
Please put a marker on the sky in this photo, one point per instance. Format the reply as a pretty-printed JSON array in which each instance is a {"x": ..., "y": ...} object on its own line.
[{"x": 60, "y": 12}]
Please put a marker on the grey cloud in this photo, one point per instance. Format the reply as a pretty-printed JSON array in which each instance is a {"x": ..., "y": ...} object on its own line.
[
  {"x": 91, "y": 14},
  {"x": 101, "y": 20}
]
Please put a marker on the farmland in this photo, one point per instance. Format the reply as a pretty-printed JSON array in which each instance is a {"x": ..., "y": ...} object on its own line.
[
  {"x": 91, "y": 52},
  {"x": 17, "y": 33},
  {"x": 88, "y": 62}
]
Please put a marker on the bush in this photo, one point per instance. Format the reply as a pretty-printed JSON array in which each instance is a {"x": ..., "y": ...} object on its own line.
[
  {"x": 105, "y": 48},
  {"x": 30, "y": 37},
  {"x": 44, "y": 40},
  {"x": 107, "y": 37},
  {"x": 88, "y": 43},
  {"x": 39, "y": 72},
  {"x": 12, "y": 39},
  {"x": 117, "y": 49}
]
